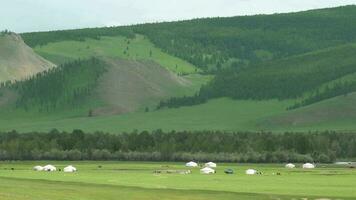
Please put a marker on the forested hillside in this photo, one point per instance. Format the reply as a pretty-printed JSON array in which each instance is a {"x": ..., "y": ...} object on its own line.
[
  {"x": 215, "y": 43},
  {"x": 67, "y": 85},
  {"x": 310, "y": 77},
  {"x": 269, "y": 66}
]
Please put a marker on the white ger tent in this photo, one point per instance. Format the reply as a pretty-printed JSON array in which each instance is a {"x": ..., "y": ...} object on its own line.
[
  {"x": 38, "y": 168},
  {"x": 49, "y": 168},
  {"x": 210, "y": 165},
  {"x": 290, "y": 166},
  {"x": 207, "y": 170},
  {"x": 308, "y": 166},
  {"x": 251, "y": 172},
  {"x": 70, "y": 169},
  {"x": 191, "y": 164}
]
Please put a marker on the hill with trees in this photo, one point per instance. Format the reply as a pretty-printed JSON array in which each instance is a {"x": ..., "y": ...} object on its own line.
[
  {"x": 214, "y": 43},
  {"x": 94, "y": 86},
  {"x": 254, "y": 70}
]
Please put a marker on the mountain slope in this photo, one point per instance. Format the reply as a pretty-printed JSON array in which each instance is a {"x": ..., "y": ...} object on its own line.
[
  {"x": 95, "y": 87},
  {"x": 213, "y": 43},
  {"x": 338, "y": 113},
  {"x": 17, "y": 60},
  {"x": 136, "y": 48},
  {"x": 130, "y": 86},
  {"x": 307, "y": 78}
]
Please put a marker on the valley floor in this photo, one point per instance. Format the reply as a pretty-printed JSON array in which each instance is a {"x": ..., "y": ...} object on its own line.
[
  {"x": 136, "y": 180},
  {"x": 223, "y": 114}
]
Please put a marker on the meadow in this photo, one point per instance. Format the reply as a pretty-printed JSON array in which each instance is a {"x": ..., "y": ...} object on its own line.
[
  {"x": 139, "y": 48},
  {"x": 136, "y": 180},
  {"x": 222, "y": 114},
  {"x": 219, "y": 114}
]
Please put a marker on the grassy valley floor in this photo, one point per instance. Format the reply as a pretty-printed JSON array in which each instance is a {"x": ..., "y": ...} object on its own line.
[{"x": 136, "y": 180}]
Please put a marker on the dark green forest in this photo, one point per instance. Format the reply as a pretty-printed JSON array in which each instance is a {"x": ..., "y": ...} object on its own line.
[
  {"x": 67, "y": 85},
  {"x": 179, "y": 146}
]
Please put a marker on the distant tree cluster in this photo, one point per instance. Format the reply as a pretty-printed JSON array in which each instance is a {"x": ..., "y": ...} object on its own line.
[
  {"x": 179, "y": 146},
  {"x": 65, "y": 86}
]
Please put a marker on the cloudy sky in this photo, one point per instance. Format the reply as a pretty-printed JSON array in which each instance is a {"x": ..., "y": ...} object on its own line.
[{"x": 38, "y": 15}]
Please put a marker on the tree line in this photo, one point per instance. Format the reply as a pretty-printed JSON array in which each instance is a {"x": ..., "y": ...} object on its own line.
[
  {"x": 34, "y": 39},
  {"x": 252, "y": 147}
]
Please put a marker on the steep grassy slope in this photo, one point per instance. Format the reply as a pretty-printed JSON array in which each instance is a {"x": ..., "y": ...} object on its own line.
[
  {"x": 17, "y": 60},
  {"x": 137, "y": 48}
]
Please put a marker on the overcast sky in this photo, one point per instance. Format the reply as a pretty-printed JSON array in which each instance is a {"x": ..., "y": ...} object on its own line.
[{"x": 39, "y": 15}]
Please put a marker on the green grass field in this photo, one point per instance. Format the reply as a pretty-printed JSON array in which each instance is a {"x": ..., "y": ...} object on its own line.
[
  {"x": 138, "y": 48},
  {"x": 136, "y": 180},
  {"x": 220, "y": 114}
]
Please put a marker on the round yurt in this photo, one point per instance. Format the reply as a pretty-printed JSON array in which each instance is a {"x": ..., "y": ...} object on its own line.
[
  {"x": 49, "y": 168},
  {"x": 308, "y": 166},
  {"x": 70, "y": 169},
  {"x": 290, "y": 166},
  {"x": 191, "y": 164},
  {"x": 207, "y": 170},
  {"x": 211, "y": 165},
  {"x": 251, "y": 172},
  {"x": 38, "y": 168}
]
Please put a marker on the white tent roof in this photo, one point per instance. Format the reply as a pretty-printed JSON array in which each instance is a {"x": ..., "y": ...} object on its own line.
[
  {"x": 308, "y": 166},
  {"x": 49, "y": 168},
  {"x": 191, "y": 164},
  {"x": 70, "y": 168},
  {"x": 38, "y": 168},
  {"x": 251, "y": 172},
  {"x": 207, "y": 170},
  {"x": 211, "y": 165},
  {"x": 290, "y": 165}
]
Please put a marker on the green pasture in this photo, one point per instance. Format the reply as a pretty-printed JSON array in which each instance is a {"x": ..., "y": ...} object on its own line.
[
  {"x": 219, "y": 114},
  {"x": 136, "y": 180},
  {"x": 115, "y": 47}
]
